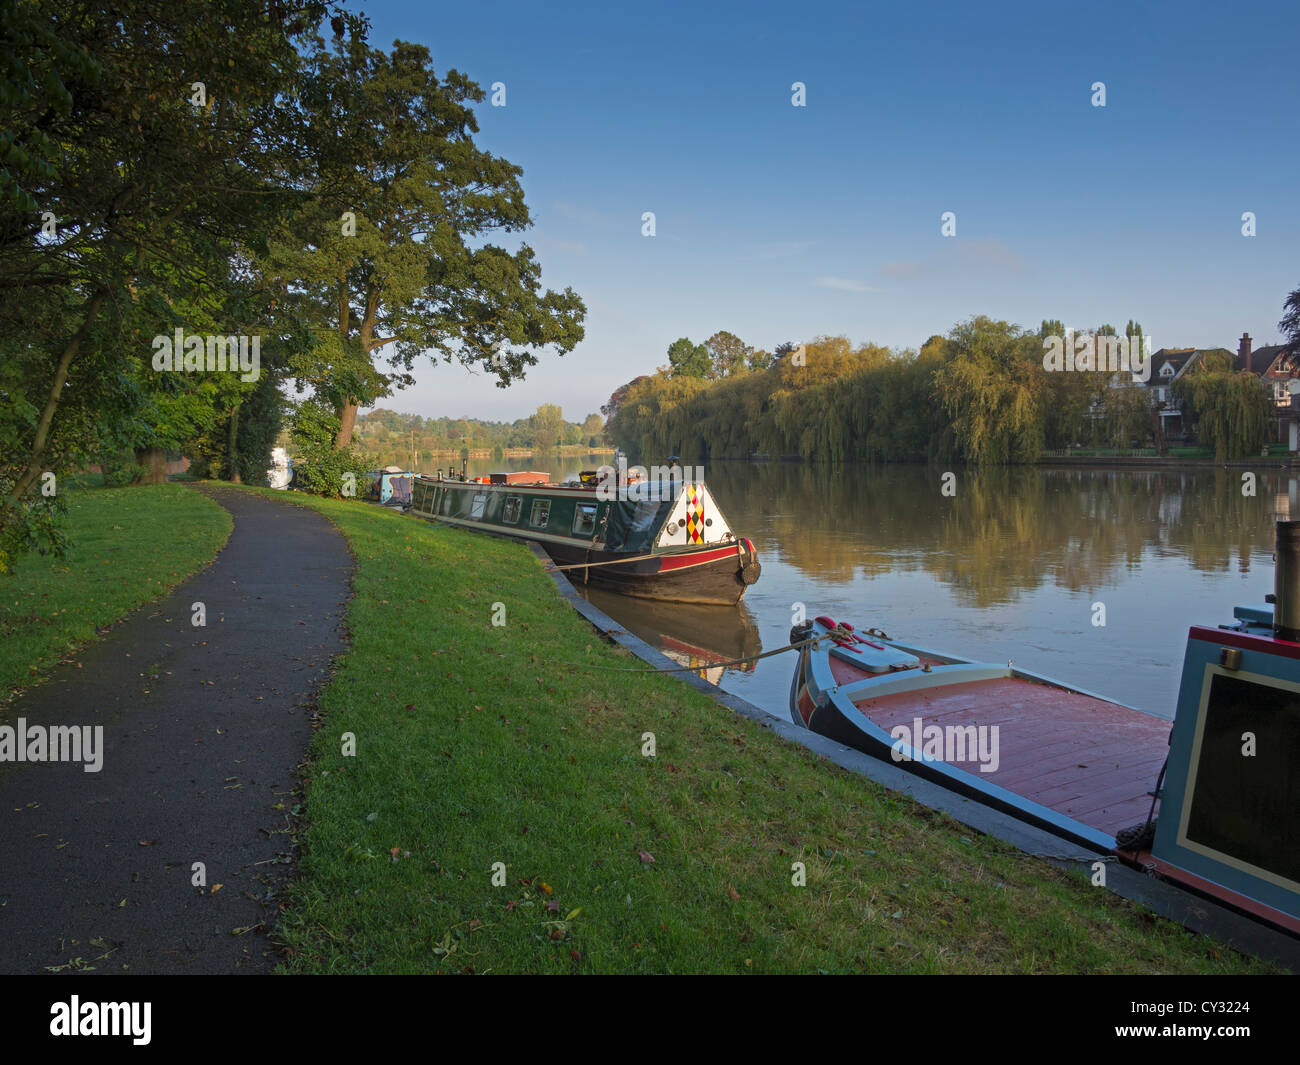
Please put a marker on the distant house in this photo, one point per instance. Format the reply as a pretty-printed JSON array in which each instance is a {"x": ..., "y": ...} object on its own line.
[
  {"x": 1278, "y": 367},
  {"x": 1168, "y": 365}
]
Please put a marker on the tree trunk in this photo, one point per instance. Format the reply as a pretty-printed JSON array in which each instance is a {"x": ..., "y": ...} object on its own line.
[
  {"x": 347, "y": 422},
  {"x": 56, "y": 390},
  {"x": 1158, "y": 432},
  {"x": 232, "y": 447},
  {"x": 154, "y": 459}
]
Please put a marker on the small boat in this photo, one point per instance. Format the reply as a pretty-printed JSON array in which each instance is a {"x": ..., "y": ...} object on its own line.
[
  {"x": 390, "y": 486},
  {"x": 659, "y": 535},
  {"x": 1210, "y": 801}
]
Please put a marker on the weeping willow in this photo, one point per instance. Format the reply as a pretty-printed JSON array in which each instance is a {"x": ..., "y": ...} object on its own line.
[{"x": 1230, "y": 411}]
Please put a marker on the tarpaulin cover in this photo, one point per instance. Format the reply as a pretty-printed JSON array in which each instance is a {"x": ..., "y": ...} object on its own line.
[{"x": 633, "y": 526}]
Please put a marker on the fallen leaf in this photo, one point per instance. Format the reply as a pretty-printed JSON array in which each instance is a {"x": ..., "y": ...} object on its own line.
[
  {"x": 733, "y": 893},
  {"x": 148, "y": 842},
  {"x": 646, "y": 856}
]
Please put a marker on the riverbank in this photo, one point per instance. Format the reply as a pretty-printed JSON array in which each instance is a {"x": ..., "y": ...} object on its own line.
[
  {"x": 127, "y": 547},
  {"x": 1272, "y": 462},
  {"x": 518, "y": 744}
]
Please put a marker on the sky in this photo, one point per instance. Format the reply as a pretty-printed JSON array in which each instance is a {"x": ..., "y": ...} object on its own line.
[{"x": 780, "y": 223}]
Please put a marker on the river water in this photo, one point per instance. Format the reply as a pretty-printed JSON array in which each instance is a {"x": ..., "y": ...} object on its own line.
[{"x": 1017, "y": 564}]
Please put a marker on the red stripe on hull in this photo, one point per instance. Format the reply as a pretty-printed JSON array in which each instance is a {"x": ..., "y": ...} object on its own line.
[
  {"x": 1268, "y": 645},
  {"x": 696, "y": 558}
]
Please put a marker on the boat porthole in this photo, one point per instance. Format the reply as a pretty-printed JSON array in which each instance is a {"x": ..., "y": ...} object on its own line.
[
  {"x": 672, "y": 527},
  {"x": 708, "y": 521}
]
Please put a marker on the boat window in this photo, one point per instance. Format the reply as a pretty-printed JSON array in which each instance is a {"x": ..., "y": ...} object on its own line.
[
  {"x": 1245, "y": 808},
  {"x": 541, "y": 513},
  {"x": 478, "y": 505},
  {"x": 511, "y": 511},
  {"x": 584, "y": 519}
]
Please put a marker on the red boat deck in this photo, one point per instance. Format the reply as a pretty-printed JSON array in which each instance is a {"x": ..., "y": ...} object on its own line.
[{"x": 1089, "y": 759}]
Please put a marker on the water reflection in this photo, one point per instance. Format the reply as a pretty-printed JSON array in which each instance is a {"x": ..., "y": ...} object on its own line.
[
  {"x": 699, "y": 637},
  {"x": 1011, "y": 567},
  {"x": 1004, "y": 531}
]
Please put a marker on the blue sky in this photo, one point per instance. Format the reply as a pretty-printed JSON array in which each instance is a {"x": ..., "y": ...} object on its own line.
[{"x": 782, "y": 223}]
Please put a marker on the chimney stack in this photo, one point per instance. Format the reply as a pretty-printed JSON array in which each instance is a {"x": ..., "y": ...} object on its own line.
[{"x": 1243, "y": 353}]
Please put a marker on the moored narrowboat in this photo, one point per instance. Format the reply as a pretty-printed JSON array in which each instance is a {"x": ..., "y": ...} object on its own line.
[
  {"x": 654, "y": 539},
  {"x": 1210, "y": 801},
  {"x": 390, "y": 486}
]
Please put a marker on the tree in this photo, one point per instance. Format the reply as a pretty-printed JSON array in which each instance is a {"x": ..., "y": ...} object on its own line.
[
  {"x": 593, "y": 428},
  {"x": 1290, "y": 322},
  {"x": 123, "y": 231},
  {"x": 992, "y": 387},
  {"x": 548, "y": 427},
  {"x": 727, "y": 352},
  {"x": 1229, "y": 412},
  {"x": 390, "y": 251},
  {"x": 689, "y": 360}
]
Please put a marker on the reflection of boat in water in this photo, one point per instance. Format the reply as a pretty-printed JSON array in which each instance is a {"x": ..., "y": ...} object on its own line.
[
  {"x": 1223, "y": 780},
  {"x": 699, "y": 637}
]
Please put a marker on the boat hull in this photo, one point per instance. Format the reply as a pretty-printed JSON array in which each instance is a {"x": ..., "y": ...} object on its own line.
[
  {"x": 708, "y": 576},
  {"x": 1083, "y": 767}
]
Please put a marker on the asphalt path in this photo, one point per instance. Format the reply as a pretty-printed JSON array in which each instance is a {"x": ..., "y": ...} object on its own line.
[{"x": 203, "y": 732}]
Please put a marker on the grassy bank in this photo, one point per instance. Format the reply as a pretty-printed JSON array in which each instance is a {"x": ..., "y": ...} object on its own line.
[
  {"x": 478, "y": 744},
  {"x": 127, "y": 546}
]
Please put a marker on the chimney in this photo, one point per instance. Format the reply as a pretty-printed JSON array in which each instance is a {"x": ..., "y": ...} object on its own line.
[{"x": 1243, "y": 353}]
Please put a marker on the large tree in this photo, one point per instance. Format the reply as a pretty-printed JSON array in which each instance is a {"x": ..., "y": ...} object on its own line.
[
  {"x": 390, "y": 252},
  {"x": 1290, "y": 323},
  {"x": 688, "y": 359},
  {"x": 992, "y": 387},
  {"x": 727, "y": 352},
  {"x": 144, "y": 137}
]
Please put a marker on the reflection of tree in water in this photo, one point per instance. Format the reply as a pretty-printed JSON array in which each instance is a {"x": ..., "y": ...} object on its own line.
[{"x": 1008, "y": 529}]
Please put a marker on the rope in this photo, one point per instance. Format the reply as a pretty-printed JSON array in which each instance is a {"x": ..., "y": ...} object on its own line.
[{"x": 611, "y": 562}]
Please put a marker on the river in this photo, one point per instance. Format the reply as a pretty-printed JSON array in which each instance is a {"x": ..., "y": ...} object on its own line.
[{"x": 1017, "y": 565}]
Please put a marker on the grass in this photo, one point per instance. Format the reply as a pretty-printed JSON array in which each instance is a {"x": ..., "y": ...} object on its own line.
[
  {"x": 478, "y": 745},
  {"x": 128, "y": 546}
]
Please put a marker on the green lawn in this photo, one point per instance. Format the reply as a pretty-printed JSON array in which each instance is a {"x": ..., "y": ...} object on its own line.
[
  {"x": 127, "y": 546},
  {"x": 477, "y": 745}
]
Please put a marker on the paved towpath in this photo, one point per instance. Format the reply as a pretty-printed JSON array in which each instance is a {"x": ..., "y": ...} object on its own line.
[{"x": 203, "y": 731}]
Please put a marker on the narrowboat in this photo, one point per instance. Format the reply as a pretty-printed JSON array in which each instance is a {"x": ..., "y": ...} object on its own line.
[
  {"x": 1210, "y": 801},
  {"x": 660, "y": 537}
]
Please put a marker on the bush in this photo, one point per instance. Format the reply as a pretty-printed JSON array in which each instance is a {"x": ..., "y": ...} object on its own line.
[{"x": 319, "y": 467}]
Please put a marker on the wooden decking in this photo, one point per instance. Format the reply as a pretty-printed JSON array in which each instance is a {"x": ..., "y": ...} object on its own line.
[{"x": 1086, "y": 758}]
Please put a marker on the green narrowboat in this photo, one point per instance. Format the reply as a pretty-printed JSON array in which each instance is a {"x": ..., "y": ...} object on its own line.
[{"x": 654, "y": 539}]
